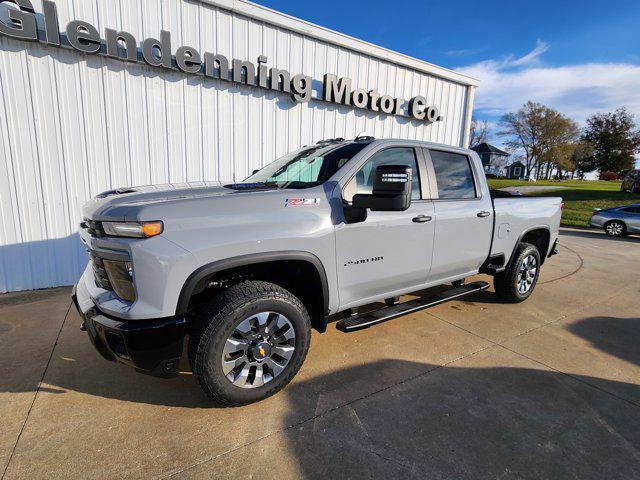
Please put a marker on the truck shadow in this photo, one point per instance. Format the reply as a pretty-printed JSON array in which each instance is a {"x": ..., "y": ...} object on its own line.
[
  {"x": 47, "y": 263},
  {"x": 77, "y": 367},
  {"x": 379, "y": 418},
  {"x": 401, "y": 419},
  {"x": 619, "y": 337}
]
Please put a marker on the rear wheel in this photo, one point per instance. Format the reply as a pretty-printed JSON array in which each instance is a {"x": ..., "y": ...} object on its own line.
[
  {"x": 517, "y": 283},
  {"x": 249, "y": 342},
  {"x": 615, "y": 228}
]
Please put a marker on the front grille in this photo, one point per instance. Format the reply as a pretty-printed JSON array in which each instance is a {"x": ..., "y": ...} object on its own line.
[
  {"x": 99, "y": 272},
  {"x": 93, "y": 227}
]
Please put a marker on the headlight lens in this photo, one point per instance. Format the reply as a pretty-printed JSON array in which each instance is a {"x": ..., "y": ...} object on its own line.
[
  {"x": 133, "y": 229},
  {"x": 121, "y": 278}
]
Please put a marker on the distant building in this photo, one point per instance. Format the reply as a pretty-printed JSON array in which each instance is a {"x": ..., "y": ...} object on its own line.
[
  {"x": 493, "y": 159},
  {"x": 516, "y": 170}
]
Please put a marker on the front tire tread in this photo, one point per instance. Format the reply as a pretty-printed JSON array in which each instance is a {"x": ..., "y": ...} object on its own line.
[{"x": 210, "y": 322}]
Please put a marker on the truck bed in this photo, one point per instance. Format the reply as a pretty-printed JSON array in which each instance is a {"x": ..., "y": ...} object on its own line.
[{"x": 516, "y": 215}]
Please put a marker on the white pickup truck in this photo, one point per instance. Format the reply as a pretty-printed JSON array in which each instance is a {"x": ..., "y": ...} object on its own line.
[{"x": 245, "y": 270}]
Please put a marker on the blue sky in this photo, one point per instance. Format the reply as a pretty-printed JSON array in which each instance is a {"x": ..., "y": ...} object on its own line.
[{"x": 579, "y": 57}]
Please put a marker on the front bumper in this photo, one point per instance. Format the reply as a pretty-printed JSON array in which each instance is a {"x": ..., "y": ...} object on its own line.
[{"x": 150, "y": 346}]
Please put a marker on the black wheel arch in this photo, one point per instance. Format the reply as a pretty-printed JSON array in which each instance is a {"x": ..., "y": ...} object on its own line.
[
  {"x": 196, "y": 282},
  {"x": 619, "y": 220},
  {"x": 539, "y": 236},
  {"x": 624, "y": 224}
]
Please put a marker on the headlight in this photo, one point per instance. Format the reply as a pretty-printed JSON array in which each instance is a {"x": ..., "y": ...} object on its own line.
[
  {"x": 121, "y": 278},
  {"x": 133, "y": 229}
]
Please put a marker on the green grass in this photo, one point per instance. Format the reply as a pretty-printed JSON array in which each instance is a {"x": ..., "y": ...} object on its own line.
[
  {"x": 579, "y": 204},
  {"x": 580, "y": 184},
  {"x": 580, "y": 197}
]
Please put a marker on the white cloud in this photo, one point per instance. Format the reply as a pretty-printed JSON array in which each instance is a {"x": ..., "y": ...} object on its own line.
[
  {"x": 533, "y": 57},
  {"x": 577, "y": 90}
]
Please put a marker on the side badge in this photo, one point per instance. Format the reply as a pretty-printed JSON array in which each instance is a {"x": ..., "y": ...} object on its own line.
[{"x": 301, "y": 202}]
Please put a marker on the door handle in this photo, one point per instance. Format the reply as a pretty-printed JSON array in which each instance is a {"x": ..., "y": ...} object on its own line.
[
  {"x": 421, "y": 219},
  {"x": 483, "y": 214}
]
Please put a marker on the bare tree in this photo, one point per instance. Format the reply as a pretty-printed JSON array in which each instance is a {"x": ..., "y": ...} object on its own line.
[
  {"x": 478, "y": 133},
  {"x": 541, "y": 133},
  {"x": 560, "y": 135}
]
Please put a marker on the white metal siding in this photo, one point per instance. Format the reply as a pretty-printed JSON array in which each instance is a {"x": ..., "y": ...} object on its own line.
[{"x": 72, "y": 126}]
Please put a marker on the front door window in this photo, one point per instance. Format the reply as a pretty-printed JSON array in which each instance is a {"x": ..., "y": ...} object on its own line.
[{"x": 363, "y": 181}]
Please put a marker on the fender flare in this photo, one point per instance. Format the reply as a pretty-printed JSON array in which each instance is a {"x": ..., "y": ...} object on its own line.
[
  {"x": 543, "y": 255},
  {"x": 190, "y": 285}
]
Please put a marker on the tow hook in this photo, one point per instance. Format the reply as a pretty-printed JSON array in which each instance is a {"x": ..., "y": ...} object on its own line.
[{"x": 83, "y": 327}]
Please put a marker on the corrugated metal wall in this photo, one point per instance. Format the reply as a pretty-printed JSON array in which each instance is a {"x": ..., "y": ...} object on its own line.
[{"x": 72, "y": 126}]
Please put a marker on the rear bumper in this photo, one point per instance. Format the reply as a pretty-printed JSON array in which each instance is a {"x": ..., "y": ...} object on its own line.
[
  {"x": 596, "y": 222},
  {"x": 150, "y": 346}
]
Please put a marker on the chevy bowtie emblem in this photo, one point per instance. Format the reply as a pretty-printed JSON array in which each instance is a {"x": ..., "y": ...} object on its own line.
[{"x": 262, "y": 352}]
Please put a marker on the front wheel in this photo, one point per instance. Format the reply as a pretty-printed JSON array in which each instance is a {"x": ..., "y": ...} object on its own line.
[
  {"x": 249, "y": 342},
  {"x": 517, "y": 282}
]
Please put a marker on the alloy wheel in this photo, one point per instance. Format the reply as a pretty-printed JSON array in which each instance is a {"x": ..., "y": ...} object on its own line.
[
  {"x": 527, "y": 274},
  {"x": 258, "y": 350},
  {"x": 615, "y": 229}
]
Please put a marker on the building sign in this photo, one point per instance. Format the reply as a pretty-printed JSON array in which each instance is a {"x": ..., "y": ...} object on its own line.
[{"x": 21, "y": 23}]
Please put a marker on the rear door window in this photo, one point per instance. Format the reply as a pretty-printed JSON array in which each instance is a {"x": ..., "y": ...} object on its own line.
[{"x": 453, "y": 175}]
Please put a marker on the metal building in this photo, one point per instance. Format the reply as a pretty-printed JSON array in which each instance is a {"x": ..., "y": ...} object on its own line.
[{"x": 75, "y": 123}]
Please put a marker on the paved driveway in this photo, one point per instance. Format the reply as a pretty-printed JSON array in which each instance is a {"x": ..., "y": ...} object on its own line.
[{"x": 469, "y": 389}]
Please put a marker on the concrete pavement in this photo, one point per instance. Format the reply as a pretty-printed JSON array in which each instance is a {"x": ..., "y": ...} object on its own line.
[{"x": 468, "y": 389}]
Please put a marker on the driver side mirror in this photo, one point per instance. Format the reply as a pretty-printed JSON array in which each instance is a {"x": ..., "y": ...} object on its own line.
[{"x": 391, "y": 190}]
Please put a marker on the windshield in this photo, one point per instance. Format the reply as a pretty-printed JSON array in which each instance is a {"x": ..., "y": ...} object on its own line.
[{"x": 304, "y": 168}]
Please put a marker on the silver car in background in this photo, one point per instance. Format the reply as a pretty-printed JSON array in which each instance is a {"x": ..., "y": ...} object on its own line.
[{"x": 617, "y": 221}]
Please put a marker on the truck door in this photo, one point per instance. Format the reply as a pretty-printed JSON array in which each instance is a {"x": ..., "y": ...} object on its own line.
[
  {"x": 463, "y": 215},
  {"x": 389, "y": 251}
]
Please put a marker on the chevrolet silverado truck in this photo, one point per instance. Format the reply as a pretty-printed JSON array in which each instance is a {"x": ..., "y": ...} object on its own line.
[{"x": 242, "y": 272}]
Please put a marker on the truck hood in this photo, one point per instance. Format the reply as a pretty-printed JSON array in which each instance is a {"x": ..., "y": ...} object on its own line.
[{"x": 120, "y": 204}]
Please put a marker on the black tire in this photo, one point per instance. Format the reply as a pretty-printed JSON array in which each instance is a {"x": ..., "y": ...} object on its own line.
[
  {"x": 615, "y": 228},
  {"x": 216, "y": 322},
  {"x": 506, "y": 283}
]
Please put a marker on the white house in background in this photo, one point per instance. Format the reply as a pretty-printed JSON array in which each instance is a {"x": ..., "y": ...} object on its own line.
[{"x": 493, "y": 159}]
